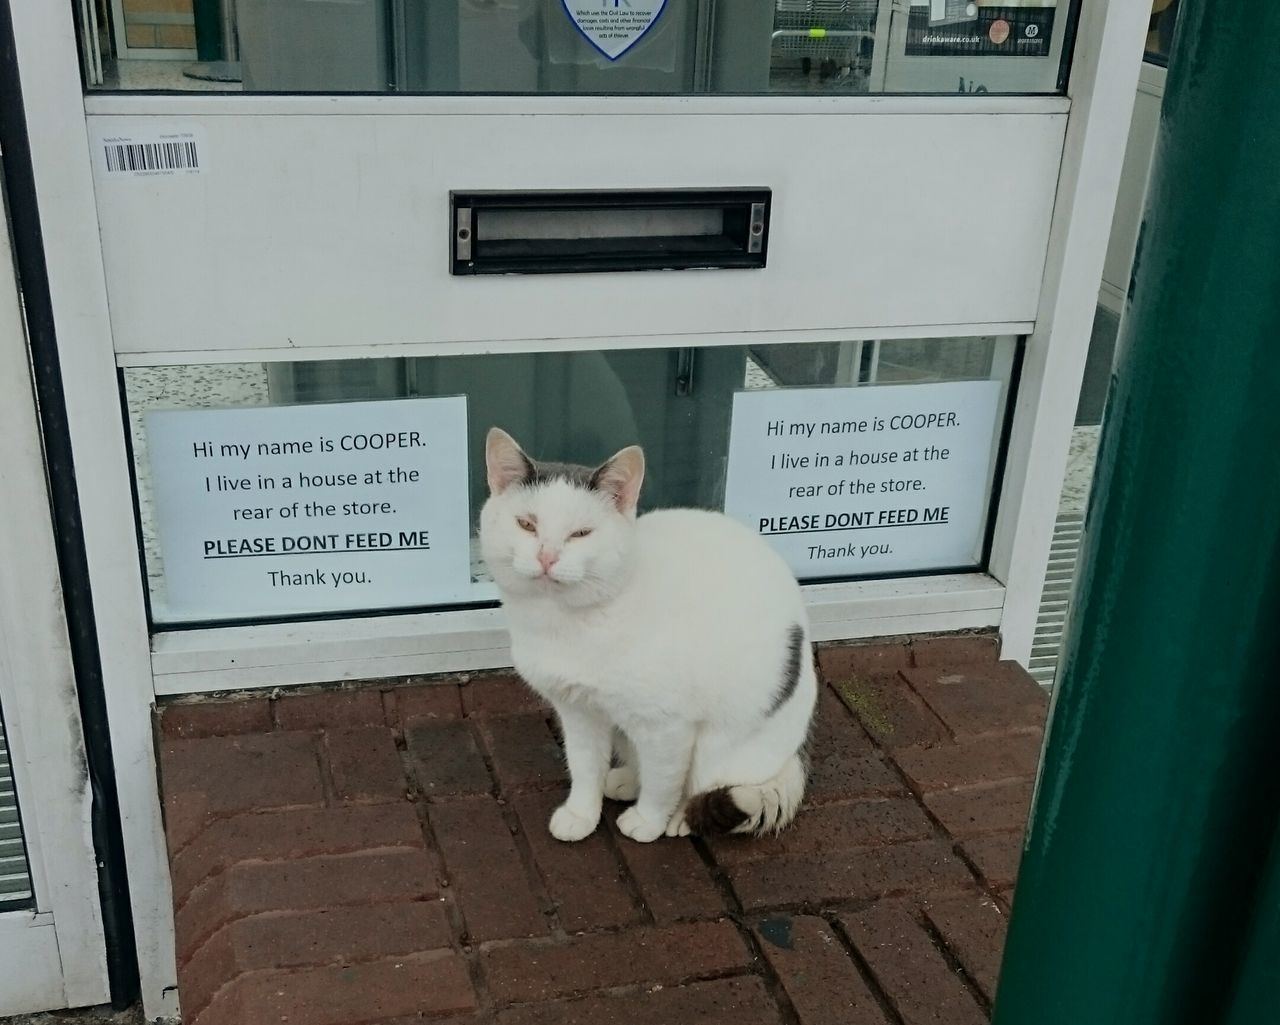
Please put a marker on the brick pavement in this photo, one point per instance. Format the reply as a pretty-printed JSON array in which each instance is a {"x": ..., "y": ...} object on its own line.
[{"x": 379, "y": 854}]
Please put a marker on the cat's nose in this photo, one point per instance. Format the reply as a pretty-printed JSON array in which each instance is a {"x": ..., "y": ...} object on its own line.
[{"x": 547, "y": 559}]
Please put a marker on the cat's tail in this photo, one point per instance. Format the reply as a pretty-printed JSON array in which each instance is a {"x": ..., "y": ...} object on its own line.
[{"x": 750, "y": 808}]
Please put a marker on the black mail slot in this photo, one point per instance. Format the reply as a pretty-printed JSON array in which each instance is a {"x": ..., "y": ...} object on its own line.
[{"x": 581, "y": 232}]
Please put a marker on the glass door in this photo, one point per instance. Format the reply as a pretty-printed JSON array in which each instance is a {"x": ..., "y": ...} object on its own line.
[{"x": 593, "y": 222}]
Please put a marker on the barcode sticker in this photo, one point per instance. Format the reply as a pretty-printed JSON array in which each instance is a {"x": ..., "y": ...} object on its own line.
[
  {"x": 169, "y": 151},
  {"x": 152, "y": 156}
]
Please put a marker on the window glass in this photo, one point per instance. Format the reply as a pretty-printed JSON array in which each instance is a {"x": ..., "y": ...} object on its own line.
[
  {"x": 580, "y": 46},
  {"x": 580, "y": 407},
  {"x": 1164, "y": 15}
]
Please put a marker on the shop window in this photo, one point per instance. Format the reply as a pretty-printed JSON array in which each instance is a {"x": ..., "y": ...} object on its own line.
[
  {"x": 806, "y": 47},
  {"x": 201, "y": 496}
]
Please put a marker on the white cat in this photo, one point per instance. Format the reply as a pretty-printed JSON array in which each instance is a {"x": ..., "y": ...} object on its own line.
[{"x": 674, "y": 644}]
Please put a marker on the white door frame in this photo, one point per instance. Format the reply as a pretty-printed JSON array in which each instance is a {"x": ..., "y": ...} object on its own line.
[
  {"x": 1103, "y": 81},
  {"x": 1139, "y": 153},
  {"x": 1104, "y": 78},
  {"x": 54, "y": 956}
]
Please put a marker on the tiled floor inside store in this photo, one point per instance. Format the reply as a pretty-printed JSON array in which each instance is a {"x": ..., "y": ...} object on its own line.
[{"x": 380, "y": 854}]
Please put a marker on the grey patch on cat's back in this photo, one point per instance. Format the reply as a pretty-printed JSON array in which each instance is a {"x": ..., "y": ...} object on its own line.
[
  {"x": 713, "y": 812},
  {"x": 790, "y": 669},
  {"x": 571, "y": 473}
]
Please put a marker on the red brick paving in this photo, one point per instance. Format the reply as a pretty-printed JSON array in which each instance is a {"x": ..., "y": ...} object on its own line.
[
  {"x": 981, "y": 699},
  {"x": 819, "y": 977},
  {"x": 378, "y": 855},
  {"x": 970, "y": 761},
  {"x": 364, "y": 764},
  {"x": 218, "y": 719},
  {"x": 499, "y": 695},
  {"x": 838, "y": 661},
  {"x": 973, "y": 928},
  {"x": 446, "y": 760},
  {"x": 909, "y": 967},
  {"x": 971, "y": 811},
  {"x": 427, "y": 701},
  {"x": 487, "y": 876},
  {"x": 954, "y": 651},
  {"x": 586, "y": 881},
  {"x": 524, "y": 752},
  {"x": 737, "y": 1001},
  {"x": 996, "y": 857},
  {"x": 285, "y": 835},
  {"x": 892, "y": 713},
  {"x": 820, "y": 881},
  {"x": 321, "y": 709},
  {"x": 531, "y": 972},
  {"x": 674, "y": 883},
  {"x": 843, "y": 762}
]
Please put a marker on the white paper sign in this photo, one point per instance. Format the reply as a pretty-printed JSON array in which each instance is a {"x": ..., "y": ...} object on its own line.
[
  {"x": 614, "y": 26},
  {"x": 870, "y": 480},
  {"x": 280, "y": 510}
]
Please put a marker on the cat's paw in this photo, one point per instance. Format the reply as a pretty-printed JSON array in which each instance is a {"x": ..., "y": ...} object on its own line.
[
  {"x": 641, "y": 829},
  {"x": 568, "y": 826},
  {"x": 622, "y": 784},
  {"x": 678, "y": 824}
]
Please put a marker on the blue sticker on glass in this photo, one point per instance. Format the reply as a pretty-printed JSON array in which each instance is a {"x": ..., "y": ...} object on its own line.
[{"x": 614, "y": 26}]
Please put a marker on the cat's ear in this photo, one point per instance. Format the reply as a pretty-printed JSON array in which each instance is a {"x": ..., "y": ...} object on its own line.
[
  {"x": 505, "y": 461},
  {"x": 621, "y": 477}
]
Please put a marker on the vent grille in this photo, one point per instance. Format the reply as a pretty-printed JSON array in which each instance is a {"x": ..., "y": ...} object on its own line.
[
  {"x": 1056, "y": 598},
  {"x": 15, "y": 878}
]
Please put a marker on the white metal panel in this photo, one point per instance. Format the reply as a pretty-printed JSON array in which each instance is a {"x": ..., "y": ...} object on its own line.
[
  {"x": 304, "y": 232},
  {"x": 28, "y": 952}
]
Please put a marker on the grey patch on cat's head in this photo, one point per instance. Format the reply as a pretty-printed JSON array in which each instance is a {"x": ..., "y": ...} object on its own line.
[
  {"x": 714, "y": 812},
  {"x": 790, "y": 669},
  {"x": 584, "y": 477},
  {"x": 620, "y": 477}
]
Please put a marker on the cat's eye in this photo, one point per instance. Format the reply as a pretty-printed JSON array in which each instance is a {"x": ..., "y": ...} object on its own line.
[
  {"x": 584, "y": 532},
  {"x": 526, "y": 524}
]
